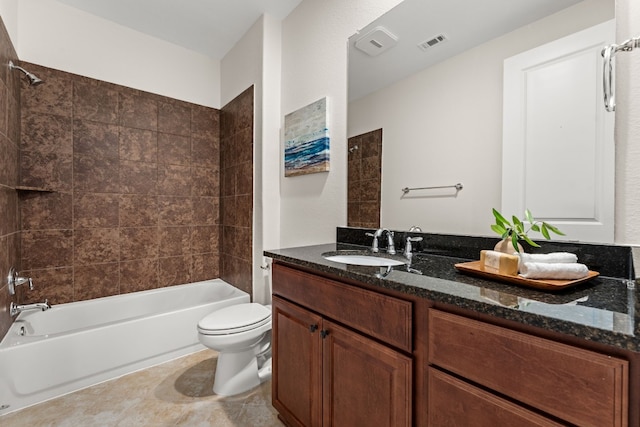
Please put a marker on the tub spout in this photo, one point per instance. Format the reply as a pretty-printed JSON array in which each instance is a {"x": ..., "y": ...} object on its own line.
[{"x": 15, "y": 309}]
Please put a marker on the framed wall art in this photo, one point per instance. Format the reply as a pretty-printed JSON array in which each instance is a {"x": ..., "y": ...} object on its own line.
[{"x": 306, "y": 140}]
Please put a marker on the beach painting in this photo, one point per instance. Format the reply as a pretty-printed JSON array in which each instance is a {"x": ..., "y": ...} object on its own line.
[{"x": 306, "y": 140}]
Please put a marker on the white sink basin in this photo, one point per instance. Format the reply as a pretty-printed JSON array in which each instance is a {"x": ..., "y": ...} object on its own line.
[{"x": 364, "y": 260}]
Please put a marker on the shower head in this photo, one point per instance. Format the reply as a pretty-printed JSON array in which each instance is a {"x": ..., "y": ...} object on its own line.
[{"x": 33, "y": 80}]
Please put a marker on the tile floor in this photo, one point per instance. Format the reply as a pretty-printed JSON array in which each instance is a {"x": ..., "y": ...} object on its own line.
[{"x": 176, "y": 393}]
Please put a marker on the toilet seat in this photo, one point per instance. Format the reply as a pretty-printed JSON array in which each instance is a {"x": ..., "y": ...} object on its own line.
[{"x": 235, "y": 319}]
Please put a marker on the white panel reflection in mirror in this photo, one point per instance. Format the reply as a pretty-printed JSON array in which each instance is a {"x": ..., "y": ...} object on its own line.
[
  {"x": 441, "y": 111},
  {"x": 558, "y": 153}
]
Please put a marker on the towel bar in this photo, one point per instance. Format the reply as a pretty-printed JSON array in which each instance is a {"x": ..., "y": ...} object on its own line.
[
  {"x": 458, "y": 187},
  {"x": 608, "y": 54}
]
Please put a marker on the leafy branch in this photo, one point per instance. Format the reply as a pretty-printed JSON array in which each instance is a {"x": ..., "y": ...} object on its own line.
[{"x": 516, "y": 229}]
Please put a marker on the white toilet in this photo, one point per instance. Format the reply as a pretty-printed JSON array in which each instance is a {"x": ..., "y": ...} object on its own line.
[{"x": 241, "y": 334}]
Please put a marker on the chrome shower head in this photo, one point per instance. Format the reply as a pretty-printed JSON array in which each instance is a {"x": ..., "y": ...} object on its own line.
[{"x": 33, "y": 79}]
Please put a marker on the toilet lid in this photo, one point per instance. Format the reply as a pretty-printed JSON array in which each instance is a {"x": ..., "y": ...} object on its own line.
[{"x": 235, "y": 318}]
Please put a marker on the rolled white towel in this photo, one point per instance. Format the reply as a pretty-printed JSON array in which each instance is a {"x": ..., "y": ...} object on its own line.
[
  {"x": 551, "y": 258},
  {"x": 541, "y": 270}
]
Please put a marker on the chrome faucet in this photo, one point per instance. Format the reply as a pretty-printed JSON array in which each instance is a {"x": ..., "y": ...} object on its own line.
[
  {"x": 15, "y": 309},
  {"x": 391, "y": 248}
]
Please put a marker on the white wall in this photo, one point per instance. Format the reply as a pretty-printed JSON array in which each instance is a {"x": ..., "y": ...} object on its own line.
[
  {"x": 443, "y": 126},
  {"x": 9, "y": 13},
  {"x": 240, "y": 68},
  {"x": 255, "y": 60},
  {"x": 61, "y": 37},
  {"x": 627, "y": 227},
  {"x": 271, "y": 113},
  {"x": 314, "y": 65}
]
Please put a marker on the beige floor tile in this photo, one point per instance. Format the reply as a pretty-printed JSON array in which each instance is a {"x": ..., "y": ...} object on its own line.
[
  {"x": 176, "y": 393},
  {"x": 258, "y": 416},
  {"x": 211, "y": 413}
]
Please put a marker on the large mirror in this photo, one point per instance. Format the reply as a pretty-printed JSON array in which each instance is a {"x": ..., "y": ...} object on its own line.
[{"x": 432, "y": 115}]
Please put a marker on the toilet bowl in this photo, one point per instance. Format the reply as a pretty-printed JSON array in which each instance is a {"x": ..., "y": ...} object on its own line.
[{"x": 241, "y": 334}]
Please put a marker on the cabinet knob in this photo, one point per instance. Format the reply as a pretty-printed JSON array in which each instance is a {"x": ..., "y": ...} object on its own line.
[
  {"x": 313, "y": 328},
  {"x": 324, "y": 333}
]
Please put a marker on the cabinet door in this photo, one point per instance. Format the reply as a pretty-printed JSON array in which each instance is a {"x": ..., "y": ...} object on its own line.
[
  {"x": 364, "y": 383},
  {"x": 455, "y": 403},
  {"x": 297, "y": 357},
  {"x": 576, "y": 385}
]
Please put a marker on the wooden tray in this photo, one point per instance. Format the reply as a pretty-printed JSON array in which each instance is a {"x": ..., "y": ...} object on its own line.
[{"x": 475, "y": 268}]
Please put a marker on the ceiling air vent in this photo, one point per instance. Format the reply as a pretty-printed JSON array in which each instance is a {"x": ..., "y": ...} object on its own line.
[
  {"x": 425, "y": 45},
  {"x": 376, "y": 41}
]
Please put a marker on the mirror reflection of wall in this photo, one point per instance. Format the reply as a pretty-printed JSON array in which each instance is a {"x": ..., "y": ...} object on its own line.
[
  {"x": 444, "y": 124},
  {"x": 364, "y": 179}
]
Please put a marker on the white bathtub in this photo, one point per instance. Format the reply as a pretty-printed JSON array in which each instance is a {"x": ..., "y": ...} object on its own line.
[{"x": 49, "y": 353}]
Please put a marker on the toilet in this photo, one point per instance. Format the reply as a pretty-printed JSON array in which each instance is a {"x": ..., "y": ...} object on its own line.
[{"x": 241, "y": 334}]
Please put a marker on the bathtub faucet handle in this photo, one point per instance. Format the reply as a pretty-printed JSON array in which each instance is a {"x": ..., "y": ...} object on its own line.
[{"x": 13, "y": 280}]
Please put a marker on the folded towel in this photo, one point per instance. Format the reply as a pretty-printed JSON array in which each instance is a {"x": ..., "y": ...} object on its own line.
[
  {"x": 553, "y": 257},
  {"x": 541, "y": 270}
]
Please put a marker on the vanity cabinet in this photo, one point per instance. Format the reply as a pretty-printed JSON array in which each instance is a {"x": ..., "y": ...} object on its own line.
[
  {"x": 496, "y": 366},
  {"x": 340, "y": 353},
  {"x": 346, "y": 354}
]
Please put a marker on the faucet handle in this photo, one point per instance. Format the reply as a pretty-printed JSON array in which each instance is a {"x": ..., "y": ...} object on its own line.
[
  {"x": 408, "y": 247},
  {"x": 391, "y": 249},
  {"x": 13, "y": 280},
  {"x": 374, "y": 245}
]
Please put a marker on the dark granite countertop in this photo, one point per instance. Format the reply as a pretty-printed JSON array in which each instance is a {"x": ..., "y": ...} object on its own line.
[{"x": 604, "y": 309}]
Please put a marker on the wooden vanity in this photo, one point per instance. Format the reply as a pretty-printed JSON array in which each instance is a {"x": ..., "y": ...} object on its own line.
[
  {"x": 334, "y": 344},
  {"x": 348, "y": 353}
]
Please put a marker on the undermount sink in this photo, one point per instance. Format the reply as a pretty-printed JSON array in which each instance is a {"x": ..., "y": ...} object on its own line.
[{"x": 369, "y": 260}]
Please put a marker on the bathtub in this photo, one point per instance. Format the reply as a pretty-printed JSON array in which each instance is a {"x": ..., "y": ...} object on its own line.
[{"x": 49, "y": 353}]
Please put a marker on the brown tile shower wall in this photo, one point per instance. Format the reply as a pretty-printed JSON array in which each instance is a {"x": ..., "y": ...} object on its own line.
[
  {"x": 236, "y": 153},
  {"x": 9, "y": 142},
  {"x": 364, "y": 177},
  {"x": 126, "y": 189}
]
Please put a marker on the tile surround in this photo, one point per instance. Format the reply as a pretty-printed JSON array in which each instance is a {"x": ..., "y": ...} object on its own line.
[
  {"x": 9, "y": 143},
  {"x": 137, "y": 188},
  {"x": 236, "y": 158},
  {"x": 132, "y": 184},
  {"x": 364, "y": 179}
]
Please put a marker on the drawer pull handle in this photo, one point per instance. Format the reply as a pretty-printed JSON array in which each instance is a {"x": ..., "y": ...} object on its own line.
[
  {"x": 324, "y": 333},
  {"x": 313, "y": 328}
]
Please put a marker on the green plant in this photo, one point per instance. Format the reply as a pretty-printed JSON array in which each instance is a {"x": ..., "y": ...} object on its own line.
[{"x": 515, "y": 230}]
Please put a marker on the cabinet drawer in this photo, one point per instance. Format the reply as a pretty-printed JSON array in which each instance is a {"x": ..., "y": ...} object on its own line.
[
  {"x": 455, "y": 403},
  {"x": 380, "y": 316},
  {"x": 573, "y": 384}
]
